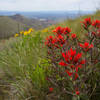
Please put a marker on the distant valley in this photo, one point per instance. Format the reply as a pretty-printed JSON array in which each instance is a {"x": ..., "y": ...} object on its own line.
[
  {"x": 12, "y": 22},
  {"x": 9, "y": 25},
  {"x": 47, "y": 15}
]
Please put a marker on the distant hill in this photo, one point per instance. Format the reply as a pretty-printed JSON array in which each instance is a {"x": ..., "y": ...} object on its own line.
[
  {"x": 9, "y": 25},
  {"x": 35, "y": 23}
]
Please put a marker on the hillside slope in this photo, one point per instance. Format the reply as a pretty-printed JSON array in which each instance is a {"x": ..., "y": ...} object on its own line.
[
  {"x": 9, "y": 26},
  {"x": 34, "y": 23},
  {"x": 75, "y": 24}
]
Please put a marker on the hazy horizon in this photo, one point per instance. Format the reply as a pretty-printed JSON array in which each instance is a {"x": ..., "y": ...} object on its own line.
[{"x": 47, "y": 11}]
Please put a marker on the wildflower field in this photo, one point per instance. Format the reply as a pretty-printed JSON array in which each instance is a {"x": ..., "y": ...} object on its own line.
[{"x": 61, "y": 62}]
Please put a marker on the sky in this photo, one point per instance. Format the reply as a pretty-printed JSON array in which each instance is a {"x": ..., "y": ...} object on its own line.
[{"x": 49, "y": 5}]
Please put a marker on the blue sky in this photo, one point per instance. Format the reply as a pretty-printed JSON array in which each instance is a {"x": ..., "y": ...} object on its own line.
[{"x": 48, "y": 5}]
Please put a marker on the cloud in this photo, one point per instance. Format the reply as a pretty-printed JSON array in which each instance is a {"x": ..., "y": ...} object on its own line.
[{"x": 33, "y": 5}]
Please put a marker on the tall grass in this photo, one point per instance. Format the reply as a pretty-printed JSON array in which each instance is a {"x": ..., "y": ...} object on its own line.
[{"x": 22, "y": 63}]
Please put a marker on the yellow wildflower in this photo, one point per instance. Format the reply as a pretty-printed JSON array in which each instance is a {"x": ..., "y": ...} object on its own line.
[
  {"x": 25, "y": 33},
  {"x": 21, "y": 32},
  {"x": 28, "y": 32},
  {"x": 31, "y": 30},
  {"x": 45, "y": 30},
  {"x": 16, "y": 35}
]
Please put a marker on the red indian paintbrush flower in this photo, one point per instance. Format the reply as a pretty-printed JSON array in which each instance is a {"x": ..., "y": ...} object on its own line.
[
  {"x": 66, "y": 30},
  {"x": 51, "y": 89},
  {"x": 71, "y": 57},
  {"x": 76, "y": 76},
  {"x": 86, "y": 23},
  {"x": 62, "y": 63},
  {"x": 49, "y": 41},
  {"x": 72, "y": 60},
  {"x": 73, "y": 36},
  {"x": 86, "y": 46},
  {"x": 58, "y": 30},
  {"x": 55, "y": 41},
  {"x": 77, "y": 92},
  {"x": 60, "y": 40},
  {"x": 69, "y": 73},
  {"x": 96, "y": 23}
]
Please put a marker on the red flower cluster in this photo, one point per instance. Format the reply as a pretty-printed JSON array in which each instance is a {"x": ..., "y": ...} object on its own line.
[
  {"x": 66, "y": 30},
  {"x": 49, "y": 41},
  {"x": 96, "y": 23},
  {"x": 86, "y": 46},
  {"x": 55, "y": 41},
  {"x": 73, "y": 61},
  {"x": 86, "y": 23},
  {"x": 73, "y": 36},
  {"x": 65, "y": 54},
  {"x": 60, "y": 30},
  {"x": 58, "y": 39}
]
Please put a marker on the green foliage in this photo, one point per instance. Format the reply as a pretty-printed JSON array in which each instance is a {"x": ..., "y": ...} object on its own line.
[{"x": 21, "y": 61}]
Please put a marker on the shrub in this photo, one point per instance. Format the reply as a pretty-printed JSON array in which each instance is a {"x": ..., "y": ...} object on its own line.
[{"x": 75, "y": 62}]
